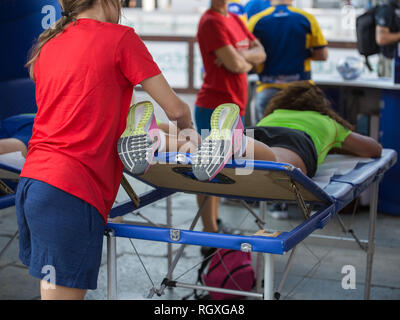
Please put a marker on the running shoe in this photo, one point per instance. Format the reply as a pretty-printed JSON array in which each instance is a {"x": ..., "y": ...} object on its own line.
[
  {"x": 141, "y": 138},
  {"x": 225, "y": 138}
]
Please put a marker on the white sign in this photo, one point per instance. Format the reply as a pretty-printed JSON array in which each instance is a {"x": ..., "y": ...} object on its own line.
[{"x": 172, "y": 58}]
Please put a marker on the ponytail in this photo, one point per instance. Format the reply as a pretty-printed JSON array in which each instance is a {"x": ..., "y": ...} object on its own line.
[
  {"x": 45, "y": 37},
  {"x": 71, "y": 9}
]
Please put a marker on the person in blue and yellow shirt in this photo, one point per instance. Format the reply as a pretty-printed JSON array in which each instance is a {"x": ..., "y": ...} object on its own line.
[
  {"x": 291, "y": 38},
  {"x": 253, "y": 7},
  {"x": 236, "y": 7}
]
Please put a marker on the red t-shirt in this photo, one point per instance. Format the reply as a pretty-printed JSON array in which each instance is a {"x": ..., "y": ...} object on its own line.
[
  {"x": 84, "y": 84},
  {"x": 219, "y": 84}
]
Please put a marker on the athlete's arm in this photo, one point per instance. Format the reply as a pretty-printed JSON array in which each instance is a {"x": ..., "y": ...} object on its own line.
[
  {"x": 229, "y": 57},
  {"x": 362, "y": 146},
  {"x": 384, "y": 37},
  {"x": 176, "y": 109},
  {"x": 319, "y": 54}
]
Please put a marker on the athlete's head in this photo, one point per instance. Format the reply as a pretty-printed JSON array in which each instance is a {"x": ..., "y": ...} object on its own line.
[
  {"x": 219, "y": 3},
  {"x": 304, "y": 96},
  {"x": 103, "y": 10},
  {"x": 278, "y": 2}
]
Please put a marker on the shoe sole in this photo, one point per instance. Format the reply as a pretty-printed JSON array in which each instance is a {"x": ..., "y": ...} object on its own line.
[
  {"x": 135, "y": 147},
  {"x": 216, "y": 150},
  {"x": 145, "y": 117}
]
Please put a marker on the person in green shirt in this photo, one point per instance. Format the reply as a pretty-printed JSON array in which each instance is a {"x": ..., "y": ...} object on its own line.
[{"x": 299, "y": 127}]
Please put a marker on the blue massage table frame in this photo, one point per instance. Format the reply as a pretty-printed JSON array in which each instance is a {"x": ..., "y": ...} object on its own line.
[
  {"x": 11, "y": 172},
  {"x": 340, "y": 192},
  {"x": 7, "y": 201}
]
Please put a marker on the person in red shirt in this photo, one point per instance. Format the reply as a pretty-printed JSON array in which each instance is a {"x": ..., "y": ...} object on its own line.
[
  {"x": 229, "y": 51},
  {"x": 85, "y": 69}
]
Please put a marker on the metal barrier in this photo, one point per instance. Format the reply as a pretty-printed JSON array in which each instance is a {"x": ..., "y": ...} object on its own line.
[{"x": 193, "y": 59}]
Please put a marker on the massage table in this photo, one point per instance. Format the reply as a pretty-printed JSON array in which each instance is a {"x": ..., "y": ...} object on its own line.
[
  {"x": 10, "y": 168},
  {"x": 247, "y": 180}
]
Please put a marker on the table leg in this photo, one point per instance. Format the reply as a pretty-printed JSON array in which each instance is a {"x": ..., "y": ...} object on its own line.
[
  {"x": 268, "y": 276},
  {"x": 371, "y": 238},
  {"x": 111, "y": 266}
]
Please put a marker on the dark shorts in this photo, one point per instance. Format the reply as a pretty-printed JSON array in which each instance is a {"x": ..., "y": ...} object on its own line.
[
  {"x": 294, "y": 140},
  {"x": 60, "y": 236},
  {"x": 18, "y": 127}
]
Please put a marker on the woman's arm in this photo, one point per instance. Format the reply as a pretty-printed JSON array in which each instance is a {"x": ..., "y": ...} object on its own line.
[
  {"x": 362, "y": 146},
  {"x": 230, "y": 58},
  {"x": 176, "y": 109},
  {"x": 255, "y": 54}
]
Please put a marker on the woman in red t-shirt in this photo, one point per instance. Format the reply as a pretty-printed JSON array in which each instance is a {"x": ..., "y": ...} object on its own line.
[
  {"x": 229, "y": 51},
  {"x": 85, "y": 69}
]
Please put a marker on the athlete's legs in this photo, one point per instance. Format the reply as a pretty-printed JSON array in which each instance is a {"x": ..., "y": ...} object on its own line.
[
  {"x": 12, "y": 145},
  {"x": 177, "y": 140}
]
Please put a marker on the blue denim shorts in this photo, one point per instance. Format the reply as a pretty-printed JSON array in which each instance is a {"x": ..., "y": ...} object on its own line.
[
  {"x": 60, "y": 235},
  {"x": 202, "y": 117}
]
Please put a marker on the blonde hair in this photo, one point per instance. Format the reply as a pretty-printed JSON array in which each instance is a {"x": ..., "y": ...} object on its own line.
[{"x": 71, "y": 9}]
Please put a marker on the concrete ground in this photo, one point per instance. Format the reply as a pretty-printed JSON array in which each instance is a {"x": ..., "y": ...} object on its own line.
[{"x": 316, "y": 272}]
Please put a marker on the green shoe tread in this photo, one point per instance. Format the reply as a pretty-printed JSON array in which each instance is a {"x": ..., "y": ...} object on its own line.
[{"x": 223, "y": 133}]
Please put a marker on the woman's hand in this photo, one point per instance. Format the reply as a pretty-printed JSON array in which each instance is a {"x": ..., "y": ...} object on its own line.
[
  {"x": 255, "y": 54},
  {"x": 230, "y": 58},
  {"x": 218, "y": 62}
]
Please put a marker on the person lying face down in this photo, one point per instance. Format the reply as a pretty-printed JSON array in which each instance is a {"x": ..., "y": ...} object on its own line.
[{"x": 299, "y": 127}]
